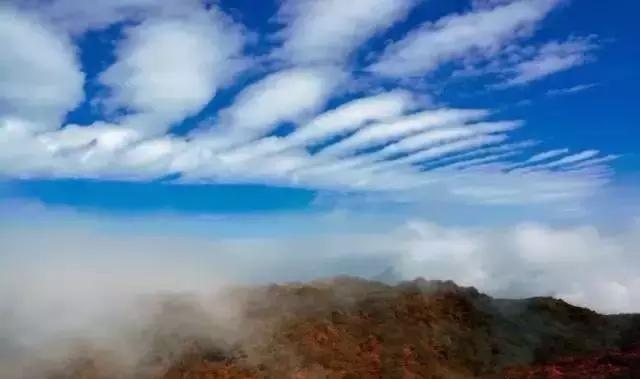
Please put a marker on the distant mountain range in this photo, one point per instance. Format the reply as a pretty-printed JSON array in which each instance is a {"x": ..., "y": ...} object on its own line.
[{"x": 353, "y": 328}]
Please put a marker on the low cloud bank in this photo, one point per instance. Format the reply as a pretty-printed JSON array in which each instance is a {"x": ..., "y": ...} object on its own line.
[{"x": 581, "y": 265}]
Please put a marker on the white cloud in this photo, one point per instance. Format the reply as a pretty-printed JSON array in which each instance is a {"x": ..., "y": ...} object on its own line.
[
  {"x": 514, "y": 147},
  {"x": 168, "y": 69},
  {"x": 593, "y": 162},
  {"x": 440, "y": 136},
  {"x": 478, "y": 163},
  {"x": 562, "y": 162},
  {"x": 353, "y": 115},
  {"x": 76, "y": 17},
  {"x": 40, "y": 77},
  {"x": 546, "y": 155},
  {"x": 488, "y": 4},
  {"x": 540, "y": 157},
  {"x": 481, "y": 32},
  {"x": 489, "y": 185},
  {"x": 552, "y": 58},
  {"x": 177, "y": 55},
  {"x": 373, "y": 173},
  {"x": 285, "y": 96},
  {"x": 448, "y": 148},
  {"x": 327, "y": 31},
  {"x": 330, "y": 124},
  {"x": 382, "y": 132},
  {"x": 113, "y": 151},
  {"x": 570, "y": 90},
  {"x": 101, "y": 136},
  {"x": 578, "y": 264}
]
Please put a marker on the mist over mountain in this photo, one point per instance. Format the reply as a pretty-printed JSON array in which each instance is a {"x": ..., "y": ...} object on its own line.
[{"x": 342, "y": 327}]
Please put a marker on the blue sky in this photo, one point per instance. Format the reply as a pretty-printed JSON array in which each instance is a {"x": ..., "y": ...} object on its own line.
[
  {"x": 233, "y": 106},
  {"x": 491, "y": 142}
]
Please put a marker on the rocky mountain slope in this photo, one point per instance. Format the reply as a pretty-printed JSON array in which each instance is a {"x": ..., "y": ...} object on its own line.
[{"x": 352, "y": 328}]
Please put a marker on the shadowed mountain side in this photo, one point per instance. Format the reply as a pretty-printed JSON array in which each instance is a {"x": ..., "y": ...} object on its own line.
[
  {"x": 608, "y": 364},
  {"x": 353, "y": 328}
]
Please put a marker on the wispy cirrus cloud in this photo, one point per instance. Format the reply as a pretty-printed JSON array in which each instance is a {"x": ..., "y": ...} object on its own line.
[
  {"x": 328, "y": 31},
  {"x": 551, "y": 58},
  {"x": 381, "y": 133},
  {"x": 563, "y": 161},
  {"x": 481, "y": 32},
  {"x": 570, "y": 90}
]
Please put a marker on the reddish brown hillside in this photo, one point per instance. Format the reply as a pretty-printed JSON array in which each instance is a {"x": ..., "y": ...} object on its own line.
[
  {"x": 350, "y": 328},
  {"x": 610, "y": 364}
]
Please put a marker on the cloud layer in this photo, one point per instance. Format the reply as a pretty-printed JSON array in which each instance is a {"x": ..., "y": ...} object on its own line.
[
  {"x": 91, "y": 257},
  {"x": 345, "y": 132}
]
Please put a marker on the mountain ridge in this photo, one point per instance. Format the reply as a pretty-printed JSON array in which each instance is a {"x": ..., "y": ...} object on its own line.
[{"x": 348, "y": 327}]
